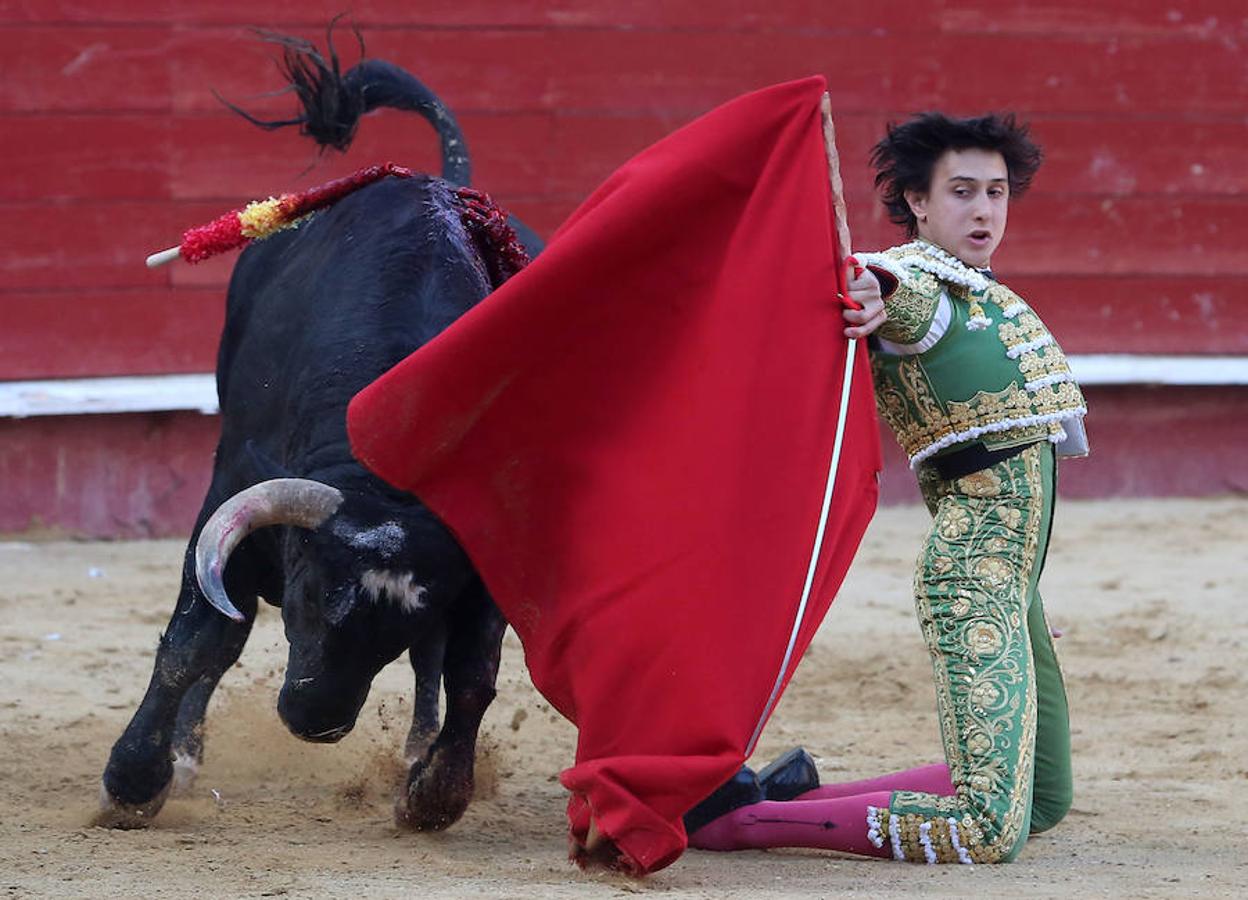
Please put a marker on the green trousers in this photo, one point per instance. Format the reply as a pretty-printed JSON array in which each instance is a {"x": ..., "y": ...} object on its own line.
[{"x": 999, "y": 691}]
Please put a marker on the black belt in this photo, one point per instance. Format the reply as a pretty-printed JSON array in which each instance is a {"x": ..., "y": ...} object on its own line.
[{"x": 970, "y": 459}]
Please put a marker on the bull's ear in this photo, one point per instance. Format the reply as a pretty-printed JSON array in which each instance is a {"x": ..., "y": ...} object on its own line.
[
  {"x": 339, "y": 604},
  {"x": 261, "y": 466}
]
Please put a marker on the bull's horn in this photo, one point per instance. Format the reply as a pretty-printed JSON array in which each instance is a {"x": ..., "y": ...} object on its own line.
[{"x": 280, "y": 501}]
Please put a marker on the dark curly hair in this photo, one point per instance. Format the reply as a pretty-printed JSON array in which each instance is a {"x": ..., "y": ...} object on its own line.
[{"x": 904, "y": 159}]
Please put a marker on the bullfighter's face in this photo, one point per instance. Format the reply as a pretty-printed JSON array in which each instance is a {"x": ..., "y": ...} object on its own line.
[{"x": 965, "y": 208}]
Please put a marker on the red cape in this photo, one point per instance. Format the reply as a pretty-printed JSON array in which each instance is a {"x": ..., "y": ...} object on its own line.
[{"x": 631, "y": 439}]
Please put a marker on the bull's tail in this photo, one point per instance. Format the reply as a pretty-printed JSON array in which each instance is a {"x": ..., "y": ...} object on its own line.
[{"x": 333, "y": 102}]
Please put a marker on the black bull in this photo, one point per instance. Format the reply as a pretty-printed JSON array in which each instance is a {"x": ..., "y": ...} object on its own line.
[{"x": 314, "y": 315}]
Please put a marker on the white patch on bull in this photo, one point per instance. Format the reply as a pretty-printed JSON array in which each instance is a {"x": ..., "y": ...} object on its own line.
[
  {"x": 185, "y": 768},
  {"x": 386, "y": 540},
  {"x": 399, "y": 587}
]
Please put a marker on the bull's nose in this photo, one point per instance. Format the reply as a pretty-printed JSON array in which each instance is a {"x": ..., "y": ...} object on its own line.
[{"x": 312, "y": 719}]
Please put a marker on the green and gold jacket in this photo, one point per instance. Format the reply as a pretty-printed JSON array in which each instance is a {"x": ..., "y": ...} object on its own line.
[{"x": 963, "y": 359}]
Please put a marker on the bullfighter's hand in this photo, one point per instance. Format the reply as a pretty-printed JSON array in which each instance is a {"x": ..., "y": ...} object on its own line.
[{"x": 864, "y": 290}]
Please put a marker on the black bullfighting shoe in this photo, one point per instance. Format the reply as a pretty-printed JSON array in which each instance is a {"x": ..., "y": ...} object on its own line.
[
  {"x": 740, "y": 790},
  {"x": 789, "y": 775}
]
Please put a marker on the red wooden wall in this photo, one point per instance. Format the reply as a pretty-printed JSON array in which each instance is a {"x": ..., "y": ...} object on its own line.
[{"x": 111, "y": 143}]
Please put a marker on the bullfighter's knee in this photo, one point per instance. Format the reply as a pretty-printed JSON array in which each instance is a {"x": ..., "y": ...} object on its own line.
[{"x": 1049, "y": 808}]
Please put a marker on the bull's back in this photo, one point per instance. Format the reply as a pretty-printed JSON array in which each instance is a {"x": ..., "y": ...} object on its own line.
[{"x": 316, "y": 313}]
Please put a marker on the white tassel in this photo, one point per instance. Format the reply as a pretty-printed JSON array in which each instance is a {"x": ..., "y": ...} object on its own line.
[
  {"x": 873, "y": 826},
  {"x": 894, "y": 832},
  {"x": 1014, "y": 310},
  {"x": 945, "y": 266},
  {"x": 1055, "y": 378},
  {"x": 978, "y": 323},
  {"x": 946, "y": 273},
  {"x": 885, "y": 262},
  {"x": 1027, "y": 346},
  {"x": 980, "y": 430},
  {"x": 954, "y": 838},
  {"x": 925, "y": 838}
]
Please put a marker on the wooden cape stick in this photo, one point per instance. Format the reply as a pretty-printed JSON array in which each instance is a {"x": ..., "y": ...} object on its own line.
[
  {"x": 842, "y": 235},
  {"x": 834, "y": 177}
]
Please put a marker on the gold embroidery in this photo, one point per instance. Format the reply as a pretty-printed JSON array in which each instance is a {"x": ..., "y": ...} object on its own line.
[
  {"x": 889, "y": 401},
  {"x": 911, "y": 309},
  {"x": 985, "y": 694},
  {"x": 986, "y": 699},
  {"x": 918, "y": 390},
  {"x": 991, "y": 407},
  {"x": 1001, "y": 296},
  {"x": 979, "y": 743},
  {"x": 994, "y": 571},
  {"x": 984, "y": 483},
  {"x": 984, "y": 639},
  {"x": 955, "y": 524},
  {"x": 926, "y": 420},
  {"x": 1023, "y": 328},
  {"x": 984, "y": 410},
  {"x": 1050, "y": 360}
]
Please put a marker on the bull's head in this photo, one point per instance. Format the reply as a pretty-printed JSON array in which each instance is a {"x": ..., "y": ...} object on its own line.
[{"x": 350, "y": 588}]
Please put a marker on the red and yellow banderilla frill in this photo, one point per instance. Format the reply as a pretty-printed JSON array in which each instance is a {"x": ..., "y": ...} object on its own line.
[{"x": 262, "y": 218}]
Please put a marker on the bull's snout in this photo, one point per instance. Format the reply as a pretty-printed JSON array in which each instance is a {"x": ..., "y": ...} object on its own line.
[{"x": 317, "y": 715}]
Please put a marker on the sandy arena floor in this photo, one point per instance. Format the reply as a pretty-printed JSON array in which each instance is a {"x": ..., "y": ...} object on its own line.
[{"x": 1152, "y": 597}]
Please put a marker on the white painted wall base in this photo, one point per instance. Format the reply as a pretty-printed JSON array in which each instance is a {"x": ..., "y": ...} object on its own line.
[
  {"x": 164, "y": 393},
  {"x": 130, "y": 394}
]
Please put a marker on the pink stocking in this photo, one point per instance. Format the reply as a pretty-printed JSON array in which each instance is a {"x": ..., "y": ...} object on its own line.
[
  {"x": 933, "y": 779},
  {"x": 830, "y": 824}
]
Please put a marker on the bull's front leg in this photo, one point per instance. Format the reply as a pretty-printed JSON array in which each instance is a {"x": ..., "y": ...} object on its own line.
[
  {"x": 427, "y": 657},
  {"x": 439, "y": 786},
  {"x": 198, "y": 646},
  {"x": 188, "y": 729}
]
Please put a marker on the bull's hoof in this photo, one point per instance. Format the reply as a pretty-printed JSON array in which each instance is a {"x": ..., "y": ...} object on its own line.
[
  {"x": 435, "y": 797},
  {"x": 116, "y": 814}
]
